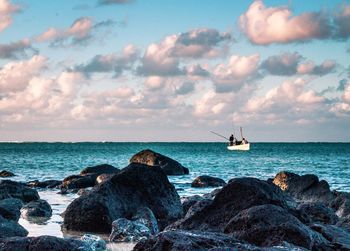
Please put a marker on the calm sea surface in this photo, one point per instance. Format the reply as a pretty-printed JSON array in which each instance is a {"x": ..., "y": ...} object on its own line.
[{"x": 30, "y": 161}]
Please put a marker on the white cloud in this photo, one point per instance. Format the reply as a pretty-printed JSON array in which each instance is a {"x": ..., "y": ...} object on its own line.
[{"x": 6, "y": 11}]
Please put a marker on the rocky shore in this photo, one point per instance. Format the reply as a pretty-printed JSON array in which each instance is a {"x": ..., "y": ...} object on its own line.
[{"x": 138, "y": 204}]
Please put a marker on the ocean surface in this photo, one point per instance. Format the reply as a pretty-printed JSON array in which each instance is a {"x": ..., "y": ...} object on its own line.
[{"x": 42, "y": 161}]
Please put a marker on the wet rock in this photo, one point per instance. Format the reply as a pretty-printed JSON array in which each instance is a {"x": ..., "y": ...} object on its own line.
[
  {"x": 9, "y": 228},
  {"x": 317, "y": 212},
  {"x": 42, "y": 243},
  {"x": 5, "y": 174},
  {"x": 145, "y": 216},
  {"x": 45, "y": 184},
  {"x": 99, "y": 169},
  {"x": 12, "y": 189},
  {"x": 124, "y": 230},
  {"x": 212, "y": 194},
  {"x": 237, "y": 195},
  {"x": 151, "y": 158},
  {"x": 188, "y": 241},
  {"x": 79, "y": 181},
  {"x": 134, "y": 187},
  {"x": 270, "y": 225},
  {"x": 93, "y": 242},
  {"x": 341, "y": 204},
  {"x": 306, "y": 188},
  {"x": 344, "y": 223},
  {"x": 207, "y": 181},
  {"x": 104, "y": 177},
  {"x": 38, "y": 208},
  {"x": 10, "y": 208},
  {"x": 197, "y": 207},
  {"x": 339, "y": 238}
]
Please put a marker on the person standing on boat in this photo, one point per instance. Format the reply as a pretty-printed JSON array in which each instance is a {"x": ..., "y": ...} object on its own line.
[{"x": 231, "y": 140}]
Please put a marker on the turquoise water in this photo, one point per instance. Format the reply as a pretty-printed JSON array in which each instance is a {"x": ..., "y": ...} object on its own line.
[{"x": 330, "y": 161}]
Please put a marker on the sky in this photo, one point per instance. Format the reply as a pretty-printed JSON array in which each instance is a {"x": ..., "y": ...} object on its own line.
[{"x": 165, "y": 70}]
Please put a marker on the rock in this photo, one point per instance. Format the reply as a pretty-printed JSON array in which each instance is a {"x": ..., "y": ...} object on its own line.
[
  {"x": 207, "y": 181},
  {"x": 237, "y": 195},
  {"x": 38, "y": 208},
  {"x": 42, "y": 243},
  {"x": 339, "y": 238},
  {"x": 344, "y": 223},
  {"x": 99, "y": 169},
  {"x": 212, "y": 194},
  {"x": 124, "y": 230},
  {"x": 9, "y": 228},
  {"x": 145, "y": 216},
  {"x": 12, "y": 189},
  {"x": 197, "y": 207},
  {"x": 79, "y": 181},
  {"x": 341, "y": 204},
  {"x": 150, "y": 158},
  {"x": 270, "y": 225},
  {"x": 317, "y": 212},
  {"x": 93, "y": 242},
  {"x": 306, "y": 188},
  {"x": 189, "y": 201},
  {"x": 134, "y": 187},
  {"x": 188, "y": 241},
  {"x": 45, "y": 184},
  {"x": 104, "y": 177},
  {"x": 10, "y": 208},
  {"x": 5, "y": 174}
]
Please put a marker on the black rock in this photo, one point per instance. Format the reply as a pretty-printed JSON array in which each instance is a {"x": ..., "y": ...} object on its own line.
[
  {"x": 189, "y": 201},
  {"x": 9, "y": 228},
  {"x": 79, "y": 181},
  {"x": 207, "y": 181},
  {"x": 44, "y": 184},
  {"x": 99, "y": 169},
  {"x": 237, "y": 195},
  {"x": 104, "y": 177},
  {"x": 133, "y": 187},
  {"x": 341, "y": 204},
  {"x": 190, "y": 241},
  {"x": 338, "y": 237},
  {"x": 270, "y": 225},
  {"x": 317, "y": 213},
  {"x": 12, "y": 189},
  {"x": 306, "y": 188},
  {"x": 10, "y": 208},
  {"x": 38, "y": 208},
  {"x": 5, "y": 174},
  {"x": 151, "y": 158},
  {"x": 42, "y": 243}
]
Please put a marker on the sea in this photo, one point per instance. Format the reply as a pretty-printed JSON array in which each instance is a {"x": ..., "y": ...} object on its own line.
[{"x": 43, "y": 161}]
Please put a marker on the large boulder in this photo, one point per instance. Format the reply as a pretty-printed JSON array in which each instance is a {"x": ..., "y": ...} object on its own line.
[
  {"x": 12, "y": 189},
  {"x": 237, "y": 195},
  {"x": 9, "y": 228},
  {"x": 317, "y": 213},
  {"x": 99, "y": 169},
  {"x": 270, "y": 225},
  {"x": 38, "y": 208},
  {"x": 190, "y": 241},
  {"x": 10, "y": 208},
  {"x": 134, "y": 187},
  {"x": 207, "y": 181},
  {"x": 306, "y": 188},
  {"x": 6, "y": 174},
  {"x": 151, "y": 158},
  {"x": 42, "y": 243}
]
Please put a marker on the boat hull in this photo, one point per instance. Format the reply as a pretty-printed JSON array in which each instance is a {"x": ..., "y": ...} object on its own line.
[{"x": 244, "y": 147}]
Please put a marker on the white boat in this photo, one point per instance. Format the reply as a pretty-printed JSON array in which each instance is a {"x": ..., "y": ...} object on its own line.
[{"x": 242, "y": 147}]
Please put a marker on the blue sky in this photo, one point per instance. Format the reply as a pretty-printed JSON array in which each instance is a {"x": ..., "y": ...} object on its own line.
[{"x": 173, "y": 70}]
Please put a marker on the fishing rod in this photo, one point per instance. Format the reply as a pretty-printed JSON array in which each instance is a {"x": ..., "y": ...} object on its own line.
[{"x": 217, "y": 134}]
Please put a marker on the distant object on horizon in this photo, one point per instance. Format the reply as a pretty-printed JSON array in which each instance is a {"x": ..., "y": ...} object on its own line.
[{"x": 234, "y": 144}]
